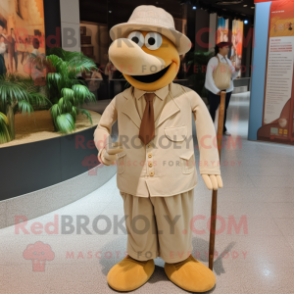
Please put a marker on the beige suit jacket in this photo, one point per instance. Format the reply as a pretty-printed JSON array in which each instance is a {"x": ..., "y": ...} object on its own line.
[{"x": 166, "y": 166}]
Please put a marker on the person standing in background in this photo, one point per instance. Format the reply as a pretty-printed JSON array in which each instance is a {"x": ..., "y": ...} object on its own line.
[
  {"x": 2, "y": 52},
  {"x": 221, "y": 51},
  {"x": 12, "y": 54},
  {"x": 36, "y": 45},
  {"x": 109, "y": 69},
  {"x": 2, "y": 49}
]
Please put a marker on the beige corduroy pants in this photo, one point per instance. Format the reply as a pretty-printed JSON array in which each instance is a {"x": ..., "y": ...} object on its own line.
[{"x": 159, "y": 226}]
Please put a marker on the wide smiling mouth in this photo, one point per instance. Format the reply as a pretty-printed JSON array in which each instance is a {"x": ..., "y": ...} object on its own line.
[{"x": 153, "y": 77}]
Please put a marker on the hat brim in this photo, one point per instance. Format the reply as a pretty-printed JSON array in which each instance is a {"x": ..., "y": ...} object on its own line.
[
  {"x": 224, "y": 44},
  {"x": 182, "y": 42}
]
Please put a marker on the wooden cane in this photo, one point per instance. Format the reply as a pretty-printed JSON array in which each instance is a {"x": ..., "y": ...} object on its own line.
[{"x": 220, "y": 128}]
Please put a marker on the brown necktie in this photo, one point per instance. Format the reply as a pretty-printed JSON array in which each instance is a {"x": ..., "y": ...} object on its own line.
[{"x": 147, "y": 128}]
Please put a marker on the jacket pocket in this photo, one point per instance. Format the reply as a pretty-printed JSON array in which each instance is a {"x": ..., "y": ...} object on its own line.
[
  {"x": 176, "y": 134},
  {"x": 121, "y": 162},
  {"x": 188, "y": 161}
]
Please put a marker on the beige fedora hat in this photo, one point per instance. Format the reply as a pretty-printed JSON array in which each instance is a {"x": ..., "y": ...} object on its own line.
[{"x": 155, "y": 19}]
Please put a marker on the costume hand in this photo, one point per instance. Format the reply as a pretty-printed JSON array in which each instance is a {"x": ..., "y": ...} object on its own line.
[
  {"x": 218, "y": 93},
  {"x": 212, "y": 181},
  {"x": 108, "y": 155}
]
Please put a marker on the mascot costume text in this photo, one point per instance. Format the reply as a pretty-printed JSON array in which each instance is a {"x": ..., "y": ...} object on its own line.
[{"x": 156, "y": 172}]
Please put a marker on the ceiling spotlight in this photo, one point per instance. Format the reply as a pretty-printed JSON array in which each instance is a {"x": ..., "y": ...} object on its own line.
[
  {"x": 194, "y": 7},
  {"x": 245, "y": 5},
  {"x": 252, "y": 7},
  {"x": 109, "y": 11},
  {"x": 246, "y": 21}
]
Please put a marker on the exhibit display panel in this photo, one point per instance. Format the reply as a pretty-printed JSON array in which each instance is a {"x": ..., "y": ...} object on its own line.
[
  {"x": 279, "y": 99},
  {"x": 272, "y": 98}
]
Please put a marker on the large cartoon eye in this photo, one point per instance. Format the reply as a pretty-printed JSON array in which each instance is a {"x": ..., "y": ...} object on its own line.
[
  {"x": 153, "y": 40},
  {"x": 137, "y": 37}
]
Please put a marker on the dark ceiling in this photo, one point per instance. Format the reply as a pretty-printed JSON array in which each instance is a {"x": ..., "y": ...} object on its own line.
[
  {"x": 242, "y": 10},
  {"x": 116, "y": 11}
]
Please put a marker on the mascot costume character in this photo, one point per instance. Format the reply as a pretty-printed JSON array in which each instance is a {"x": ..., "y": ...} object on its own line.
[{"x": 156, "y": 173}]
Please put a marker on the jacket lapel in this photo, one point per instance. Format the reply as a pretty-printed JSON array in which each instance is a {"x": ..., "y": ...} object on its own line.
[
  {"x": 129, "y": 107},
  {"x": 170, "y": 107}
]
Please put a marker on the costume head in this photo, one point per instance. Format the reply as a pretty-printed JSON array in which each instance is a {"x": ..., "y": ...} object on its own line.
[{"x": 146, "y": 49}]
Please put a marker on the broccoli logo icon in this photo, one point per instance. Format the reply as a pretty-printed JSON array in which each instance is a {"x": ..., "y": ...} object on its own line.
[
  {"x": 39, "y": 253},
  {"x": 91, "y": 162}
]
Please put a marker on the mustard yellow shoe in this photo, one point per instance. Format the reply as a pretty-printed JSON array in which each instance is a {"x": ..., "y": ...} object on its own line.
[
  {"x": 191, "y": 275},
  {"x": 129, "y": 274}
]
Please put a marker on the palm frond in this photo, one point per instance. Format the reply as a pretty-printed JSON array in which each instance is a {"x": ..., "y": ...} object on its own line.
[
  {"x": 37, "y": 99},
  {"x": 25, "y": 106},
  {"x": 68, "y": 94},
  {"x": 54, "y": 80},
  {"x": 10, "y": 92},
  {"x": 57, "y": 51},
  {"x": 11, "y": 122},
  {"x": 82, "y": 93},
  {"x": 54, "y": 61},
  {"x": 4, "y": 129},
  {"x": 76, "y": 61},
  {"x": 65, "y": 123},
  {"x": 87, "y": 113},
  {"x": 55, "y": 112},
  {"x": 74, "y": 112},
  {"x": 64, "y": 105}
]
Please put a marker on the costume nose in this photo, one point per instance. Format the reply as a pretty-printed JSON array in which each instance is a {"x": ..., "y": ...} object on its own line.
[{"x": 129, "y": 58}]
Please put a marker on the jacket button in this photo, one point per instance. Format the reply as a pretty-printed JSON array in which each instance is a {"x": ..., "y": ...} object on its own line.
[
  {"x": 152, "y": 174},
  {"x": 150, "y": 164},
  {"x": 149, "y": 146},
  {"x": 149, "y": 155}
]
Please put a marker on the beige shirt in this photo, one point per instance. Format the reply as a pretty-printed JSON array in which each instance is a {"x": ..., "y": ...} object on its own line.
[{"x": 158, "y": 101}]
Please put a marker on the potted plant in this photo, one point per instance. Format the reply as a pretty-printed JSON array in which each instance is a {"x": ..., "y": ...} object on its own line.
[
  {"x": 64, "y": 89},
  {"x": 17, "y": 95}
]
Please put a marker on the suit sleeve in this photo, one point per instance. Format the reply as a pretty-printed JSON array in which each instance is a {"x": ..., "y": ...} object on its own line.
[
  {"x": 206, "y": 135},
  {"x": 103, "y": 130}
]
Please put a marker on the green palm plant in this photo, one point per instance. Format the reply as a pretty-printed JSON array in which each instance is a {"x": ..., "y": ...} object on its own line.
[
  {"x": 17, "y": 95},
  {"x": 65, "y": 90},
  {"x": 5, "y": 135}
]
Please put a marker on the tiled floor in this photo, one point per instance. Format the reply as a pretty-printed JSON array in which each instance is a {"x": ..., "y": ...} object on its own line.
[{"x": 257, "y": 257}]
